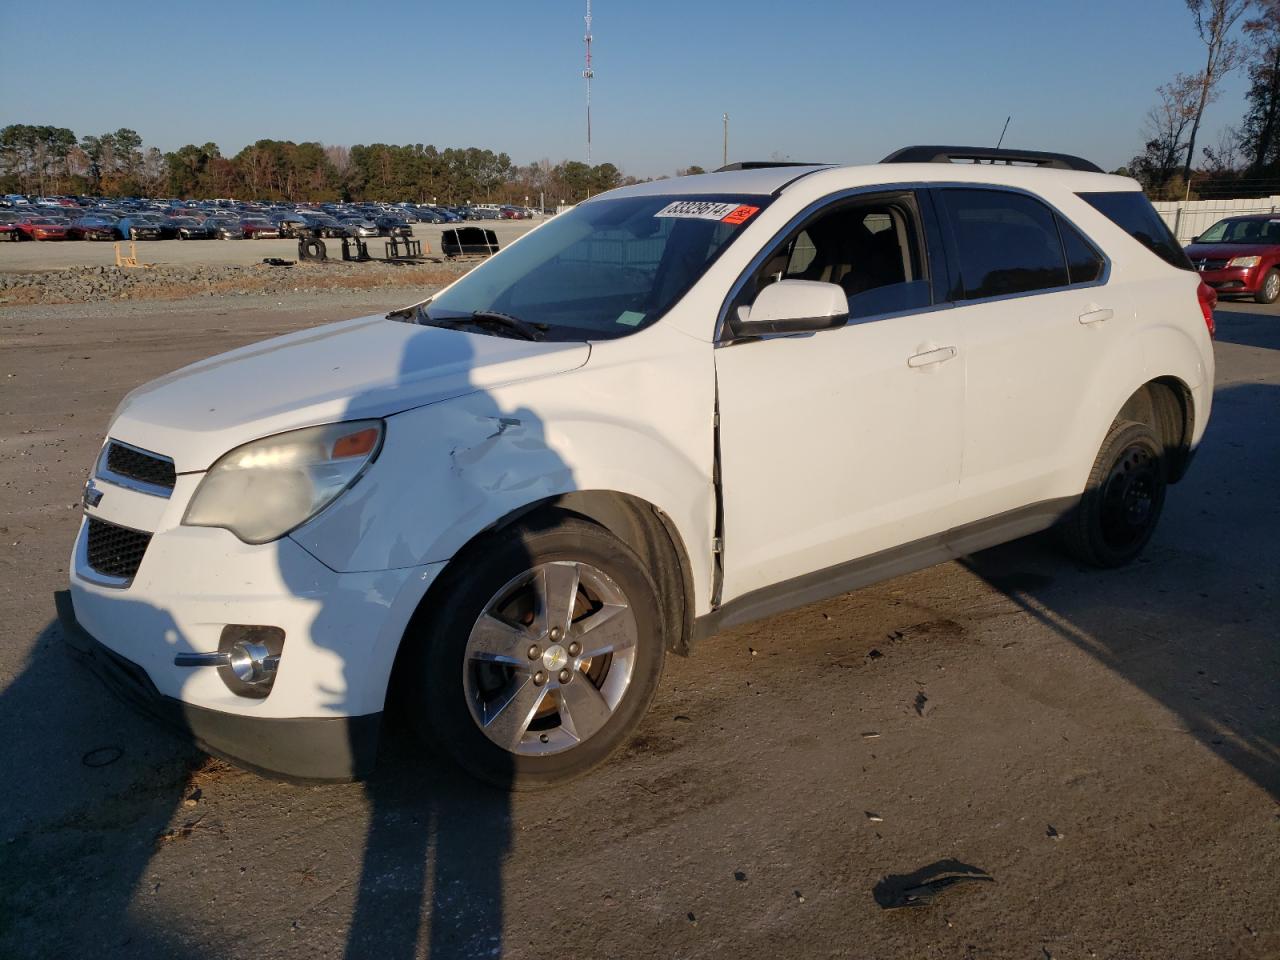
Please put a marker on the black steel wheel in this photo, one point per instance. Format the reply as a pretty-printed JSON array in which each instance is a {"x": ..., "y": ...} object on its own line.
[{"x": 1122, "y": 500}]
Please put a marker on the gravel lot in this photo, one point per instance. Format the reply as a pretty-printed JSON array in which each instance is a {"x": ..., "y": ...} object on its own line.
[{"x": 1105, "y": 745}]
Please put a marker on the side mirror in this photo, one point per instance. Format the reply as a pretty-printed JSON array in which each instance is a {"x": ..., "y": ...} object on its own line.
[{"x": 793, "y": 306}]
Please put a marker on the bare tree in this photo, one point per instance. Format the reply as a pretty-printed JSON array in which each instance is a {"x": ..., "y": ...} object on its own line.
[
  {"x": 340, "y": 157},
  {"x": 1169, "y": 120},
  {"x": 153, "y": 171},
  {"x": 1225, "y": 159},
  {"x": 1214, "y": 22}
]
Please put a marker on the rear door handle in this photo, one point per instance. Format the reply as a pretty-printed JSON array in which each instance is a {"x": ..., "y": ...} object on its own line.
[
  {"x": 930, "y": 357},
  {"x": 1097, "y": 316}
]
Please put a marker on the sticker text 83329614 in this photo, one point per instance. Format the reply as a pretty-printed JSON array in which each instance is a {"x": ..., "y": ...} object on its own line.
[{"x": 733, "y": 213}]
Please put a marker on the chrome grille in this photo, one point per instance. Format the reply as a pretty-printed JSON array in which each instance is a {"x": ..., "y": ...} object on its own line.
[
  {"x": 115, "y": 551},
  {"x": 134, "y": 464},
  {"x": 1204, "y": 263}
]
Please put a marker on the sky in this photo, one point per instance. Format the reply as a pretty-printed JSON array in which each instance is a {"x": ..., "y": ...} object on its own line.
[{"x": 820, "y": 80}]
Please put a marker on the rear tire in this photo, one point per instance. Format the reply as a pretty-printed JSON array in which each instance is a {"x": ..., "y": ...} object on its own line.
[
  {"x": 1269, "y": 289},
  {"x": 1122, "y": 499},
  {"x": 585, "y": 707}
]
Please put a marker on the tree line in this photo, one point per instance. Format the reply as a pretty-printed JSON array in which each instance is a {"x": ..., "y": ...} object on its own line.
[
  {"x": 53, "y": 160},
  {"x": 1245, "y": 160}
]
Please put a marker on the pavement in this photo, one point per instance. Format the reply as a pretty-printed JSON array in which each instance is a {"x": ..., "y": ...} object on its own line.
[{"x": 1104, "y": 745}]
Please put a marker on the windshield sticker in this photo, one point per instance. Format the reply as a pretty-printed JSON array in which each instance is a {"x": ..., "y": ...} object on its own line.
[
  {"x": 733, "y": 213},
  {"x": 741, "y": 215},
  {"x": 629, "y": 318}
]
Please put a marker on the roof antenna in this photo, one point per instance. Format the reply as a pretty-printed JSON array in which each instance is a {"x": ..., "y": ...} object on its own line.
[{"x": 1004, "y": 131}]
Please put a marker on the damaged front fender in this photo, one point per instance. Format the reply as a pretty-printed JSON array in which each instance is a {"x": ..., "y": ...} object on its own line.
[{"x": 451, "y": 470}]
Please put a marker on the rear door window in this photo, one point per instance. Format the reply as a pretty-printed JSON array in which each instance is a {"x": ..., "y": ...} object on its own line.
[{"x": 1006, "y": 243}]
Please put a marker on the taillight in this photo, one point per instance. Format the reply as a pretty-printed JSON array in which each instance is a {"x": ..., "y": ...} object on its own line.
[{"x": 1208, "y": 298}]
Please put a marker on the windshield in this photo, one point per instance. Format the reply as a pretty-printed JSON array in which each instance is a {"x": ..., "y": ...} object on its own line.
[
  {"x": 604, "y": 269},
  {"x": 1242, "y": 231}
]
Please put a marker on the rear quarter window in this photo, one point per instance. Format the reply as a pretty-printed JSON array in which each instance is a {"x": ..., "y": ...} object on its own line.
[{"x": 1133, "y": 213}]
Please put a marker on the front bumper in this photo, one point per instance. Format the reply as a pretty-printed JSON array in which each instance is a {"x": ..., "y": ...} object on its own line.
[
  {"x": 305, "y": 748},
  {"x": 1232, "y": 280},
  {"x": 342, "y": 632}
]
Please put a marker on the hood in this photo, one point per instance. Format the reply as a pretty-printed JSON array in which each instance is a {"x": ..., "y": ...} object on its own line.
[
  {"x": 368, "y": 367},
  {"x": 1225, "y": 251}
]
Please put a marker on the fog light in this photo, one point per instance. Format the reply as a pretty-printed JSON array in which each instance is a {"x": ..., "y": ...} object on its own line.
[
  {"x": 253, "y": 663},
  {"x": 253, "y": 658},
  {"x": 247, "y": 658}
]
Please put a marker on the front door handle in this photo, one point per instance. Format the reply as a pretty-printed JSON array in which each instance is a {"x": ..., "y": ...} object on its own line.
[
  {"x": 1097, "y": 316},
  {"x": 930, "y": 357}
]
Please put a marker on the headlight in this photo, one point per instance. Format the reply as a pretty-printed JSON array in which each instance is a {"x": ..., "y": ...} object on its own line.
[
  {"x": 266, "y": 488},
  {"x": 1244, "y": 261}
]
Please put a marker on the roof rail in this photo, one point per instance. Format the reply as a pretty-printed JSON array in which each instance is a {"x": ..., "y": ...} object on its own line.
[
  {"x": 934, "y": 154},
  {"x": 763, "y": 164}
]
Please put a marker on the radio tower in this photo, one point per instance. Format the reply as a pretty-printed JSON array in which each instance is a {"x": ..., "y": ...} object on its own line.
[{"x": 587, "y": 74}]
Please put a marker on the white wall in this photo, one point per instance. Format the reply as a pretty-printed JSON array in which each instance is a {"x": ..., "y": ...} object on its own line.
[{"x": 1191, "y": 218}]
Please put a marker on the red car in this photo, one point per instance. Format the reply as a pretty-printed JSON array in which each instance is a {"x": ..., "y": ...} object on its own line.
[
  {"x": 1240, "y": 256},
  {"x": 258, "y": 227},
  {"x": 42, "y": 227}
]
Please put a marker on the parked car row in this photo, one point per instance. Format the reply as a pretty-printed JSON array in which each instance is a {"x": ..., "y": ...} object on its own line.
[
  {"x": 89, "y": 218},
  {"x": 111, "y": 225}
]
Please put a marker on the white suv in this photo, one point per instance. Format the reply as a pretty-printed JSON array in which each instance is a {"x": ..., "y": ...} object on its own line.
[{"x": 680, "y": 406}]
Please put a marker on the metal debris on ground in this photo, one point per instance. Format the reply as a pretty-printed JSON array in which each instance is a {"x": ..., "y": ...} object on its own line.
[
  {"x": 102, "y": 756},
  {"x": 920, "y": 887}
]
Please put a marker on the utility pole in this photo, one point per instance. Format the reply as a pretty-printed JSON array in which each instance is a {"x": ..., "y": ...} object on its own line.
[
  {"x": 725, "y": 154},
  {"x": 588, "y": 74}
]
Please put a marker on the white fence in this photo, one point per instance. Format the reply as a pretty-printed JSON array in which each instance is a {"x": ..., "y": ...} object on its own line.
[{"x": 1190, "y": 218}]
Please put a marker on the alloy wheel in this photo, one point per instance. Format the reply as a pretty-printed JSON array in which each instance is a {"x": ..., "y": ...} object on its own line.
[{"x": 550, "y": 658}]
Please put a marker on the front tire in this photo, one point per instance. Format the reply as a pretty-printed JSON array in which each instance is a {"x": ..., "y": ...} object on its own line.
[
  {"x": 1122, "y": 500},
  {"x": 543, "y": 658},
  {"x": 1269, "y": 289}
]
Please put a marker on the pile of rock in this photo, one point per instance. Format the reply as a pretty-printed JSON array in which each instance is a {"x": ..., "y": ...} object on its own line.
[{"x": 87, "y": 284}]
